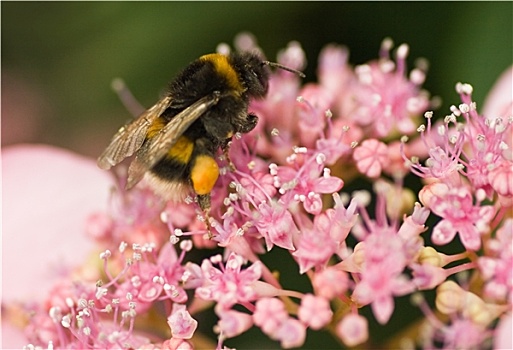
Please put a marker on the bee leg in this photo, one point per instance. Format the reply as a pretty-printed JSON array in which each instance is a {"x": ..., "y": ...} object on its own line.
[
  {"x": 226, "y": 153},
  {"x": 251, "y": 122},
  {"x": 204, "y": 203}
]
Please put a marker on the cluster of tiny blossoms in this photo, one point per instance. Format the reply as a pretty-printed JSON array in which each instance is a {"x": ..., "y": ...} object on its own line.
[{"x": 287, "y": 193}]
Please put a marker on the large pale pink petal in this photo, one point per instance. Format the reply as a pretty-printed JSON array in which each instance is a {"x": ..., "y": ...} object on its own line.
[
  {"x": 47, "y": 195},
  {"x": 499, "y": 102}
]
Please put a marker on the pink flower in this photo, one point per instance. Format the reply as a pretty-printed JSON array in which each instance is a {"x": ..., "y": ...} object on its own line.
[
  {"x": 341, "y": 219},
  {"x": 381, "y": 277},
  {"x": 181, "y": 323},
  {"x": 460, "y": 215},
  {"x": 353, "y": 329},
  {"x": 269, "y": 314},
  {"x": 301, "y": 182},
  {"x": 464, "y": 334},
  {"x": 496, "y": 266},
  {"x": 386, "y": 100},
  {"x": 314, "y": 311},
  {"x": 230, "y": 284},
  {"x": 413, "y": 225},
  {"x": 275, "y": 224},
  {"x": 377, "y": 287},
  {"x": 315, "y": 246},
  {"x": 427, "y": 276},
  {"x": 335, "y": 74},
  {"x": 315, "y": 101},
  {"x": 371, "y": 157},
  {"x": 501, "y": 180}
]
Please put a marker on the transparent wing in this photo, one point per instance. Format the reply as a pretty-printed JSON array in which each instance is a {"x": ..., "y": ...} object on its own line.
[
  {"x": 130, "y": 137},
  {"x": 156, "y": 148}
]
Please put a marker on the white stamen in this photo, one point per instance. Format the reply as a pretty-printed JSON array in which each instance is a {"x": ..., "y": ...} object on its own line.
[
  {"x": 300, "y": 150},
  {"x": 66, "y": 321},
  {"x": 455, "y": 110},
  {"x": 387, "y": 44},
  {"x": 105, "y": 255},
  {"x": 173, "y": 239},
  {"x": 186, "y": 245},
  {"x": 464, "y": 88},
  {"x": 387, "y": 66},
  {"x": 417, "y": 76},
  {"x": 464, "y": 108},
  {"x": 402, "y": 51},
  {"x": 320, "y": 158},
  {"x": 178, "y": 232}
]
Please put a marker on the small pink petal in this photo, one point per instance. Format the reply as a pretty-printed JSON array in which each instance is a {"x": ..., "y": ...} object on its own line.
[
  {"x": 328, "y": 185},
  {"x": 48, "y": 193},
  {"x": 443, "y": 233},
  {"x": 382, "y": 308},
  {"x": 470, "y": 238}
]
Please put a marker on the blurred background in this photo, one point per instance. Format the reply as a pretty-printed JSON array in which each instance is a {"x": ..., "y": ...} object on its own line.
[{"x": 59, "y": 58}]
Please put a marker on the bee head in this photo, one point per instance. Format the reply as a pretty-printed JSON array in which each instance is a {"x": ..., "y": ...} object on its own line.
[{"x": 254, "y": 72}]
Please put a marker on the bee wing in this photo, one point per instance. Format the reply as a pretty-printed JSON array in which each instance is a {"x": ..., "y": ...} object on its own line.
[
  {"x": 154, "y": 149},
  {"x": 130, "y": 137}
]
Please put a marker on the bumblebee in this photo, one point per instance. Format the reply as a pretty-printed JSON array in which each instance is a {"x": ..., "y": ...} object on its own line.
[{"x": 176, "y": 140}]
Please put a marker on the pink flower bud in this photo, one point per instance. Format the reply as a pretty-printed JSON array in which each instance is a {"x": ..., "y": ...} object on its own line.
[
  {"x": 353, "y": 329},
  {"x": 181, "y": 323},
  {"x": 233, "y": 323},
  {"x": 314, "y": 311}
]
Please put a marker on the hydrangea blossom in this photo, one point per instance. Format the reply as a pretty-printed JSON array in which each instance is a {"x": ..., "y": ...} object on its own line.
[{"x": 156, "y": 266}]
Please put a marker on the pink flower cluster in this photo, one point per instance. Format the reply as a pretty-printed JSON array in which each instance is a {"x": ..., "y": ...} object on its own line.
[{"x": 288, "y": 192}]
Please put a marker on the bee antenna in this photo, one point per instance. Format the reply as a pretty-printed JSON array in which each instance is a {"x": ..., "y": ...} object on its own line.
[{"x": 280, "y": 66}]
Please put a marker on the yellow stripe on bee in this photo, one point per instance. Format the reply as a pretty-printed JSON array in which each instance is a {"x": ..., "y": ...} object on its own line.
[
  {"x": 182, "y": 150},
  {"x": 155, "y": 127},
  {"x": 224, "y": 68},
  {"x": 204, "y": 174}
]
